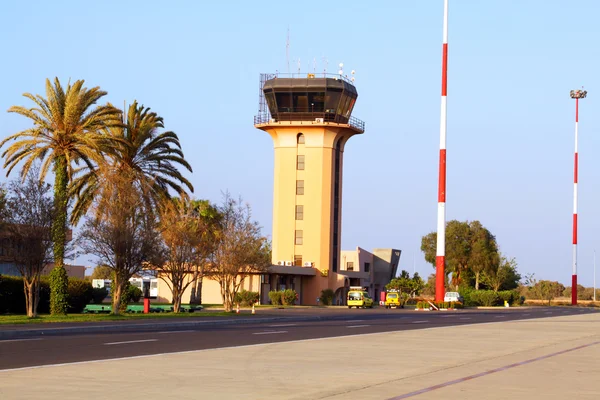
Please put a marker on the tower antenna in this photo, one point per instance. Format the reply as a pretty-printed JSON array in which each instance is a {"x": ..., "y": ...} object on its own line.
[{"x": 287, "y": 50}]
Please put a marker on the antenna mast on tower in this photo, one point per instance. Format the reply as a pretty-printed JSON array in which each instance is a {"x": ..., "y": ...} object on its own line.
[{"x": 287, "y": 50}]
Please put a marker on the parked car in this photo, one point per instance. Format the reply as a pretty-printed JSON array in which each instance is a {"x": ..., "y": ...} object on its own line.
[{"x": 453, "y": 297}]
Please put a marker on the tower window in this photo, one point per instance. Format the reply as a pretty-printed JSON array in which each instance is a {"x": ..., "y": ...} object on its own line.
[
  {"x": 298, "y": 261},
  {"x": 299, "y": 237},
  {"x": 299, "y": 213},
  {"x": 299, "y": 187},
  {"x": 300, "y": 138},
  {"x": 300, "y": 163}
]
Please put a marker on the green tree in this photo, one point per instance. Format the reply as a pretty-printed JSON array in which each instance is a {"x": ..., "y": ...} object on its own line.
[
  {"x": 102, "y": 272},
  {"x": 241, "y": 250},
  {"x": 120, "y": 231},
  {"x": 209, "y": 220},
  {"x": 458, "y": 249},
  {"x": 502, "y": 274},
  {"x": 483, "y": 251},
  {"x": 30, "y": 215},
  {"x": 67, "y": 130},
  {"x": 180, "y": 229},
  {"x": 151, "y": 159},
  {"x": 405, "y": 285}
]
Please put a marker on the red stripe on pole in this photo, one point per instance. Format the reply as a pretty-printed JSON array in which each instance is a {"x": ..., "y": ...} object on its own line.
[
  {"x": 574, "y": 228},
  {"x": 577, "y": 109},
  {"x": 576, "y": 166},
  {"x": 442, "y": 177},
  {"x": 574, "y": 290},
  {"x": 440, "y": 286},
  {"x": 444, "y": 69}
]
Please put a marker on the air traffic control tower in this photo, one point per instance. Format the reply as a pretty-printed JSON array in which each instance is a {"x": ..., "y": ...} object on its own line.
[{"x": 310, "y": 120}]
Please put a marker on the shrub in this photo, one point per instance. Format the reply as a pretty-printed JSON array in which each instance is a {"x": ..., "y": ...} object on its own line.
[
  {"x": 98, "y": 295},
  {"x": 246, "y": 297},
  {"x": 131, "y": 294},
  {"x": 456, "y": 305},
  {"x": 289, "y": 297},
  {"x": 134, "y": 293},
  {"x": 327, "y": 297},
  {"x": 511, "y": 296},
  {"x": 79, "y": 294},
  {"x": 466, "y": 292},
  {"x": 275, "y": 297},
  {"x": 485, "y": 298},
  {"x": 423, "y": 305},
  {"x": 12, "y": 297}
]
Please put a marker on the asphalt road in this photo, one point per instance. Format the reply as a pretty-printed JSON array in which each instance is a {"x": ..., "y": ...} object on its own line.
[{"x": 40, "y": 350}]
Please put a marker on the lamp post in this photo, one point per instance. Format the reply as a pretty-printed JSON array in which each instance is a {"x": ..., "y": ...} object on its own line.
[
  {"x": 440, "y": 253},
  {"x": 594, "y": 276},
  {"x": 575, "y": 94}
]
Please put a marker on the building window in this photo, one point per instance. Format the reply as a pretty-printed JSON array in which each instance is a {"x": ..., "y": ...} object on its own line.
[
  {"x": 299, "y": 187},
  {"x": 349, "y": 266},
  {"x": 300, "y": 138},
  {"x": 299, "y": 213},
  {"x": 298, "y": 237},
  {"x": 298, "y": 261},
  {"x": 367, "y": 267},
  {"x": 300, "y": 163}
]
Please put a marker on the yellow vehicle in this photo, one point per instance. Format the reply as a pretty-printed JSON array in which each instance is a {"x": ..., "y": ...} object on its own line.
[
  {"x": 359, "y": 297},
  {"x": 392, "y": 299}
]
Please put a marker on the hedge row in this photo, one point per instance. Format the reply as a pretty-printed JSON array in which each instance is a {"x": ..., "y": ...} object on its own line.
[
  {"x": 490, "y": 298},
  {"x": 246, "y": 297},
  {"x": 439, "y": 304},
  {"x": 286, "y": 297},
  {"x": 12, "y": 295}
]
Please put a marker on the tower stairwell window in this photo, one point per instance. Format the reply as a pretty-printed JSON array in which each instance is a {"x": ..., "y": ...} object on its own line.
[
  {"x": 299, "y": 213},
  {"x": 299, "y": 187},
  {"x": 300, "y": 138},
  {"x": 299, "y": 238},
  {"x": 300, "y": 162}
]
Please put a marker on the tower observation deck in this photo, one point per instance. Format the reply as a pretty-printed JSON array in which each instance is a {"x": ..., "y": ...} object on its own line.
[{"x": 321, "y": 98}]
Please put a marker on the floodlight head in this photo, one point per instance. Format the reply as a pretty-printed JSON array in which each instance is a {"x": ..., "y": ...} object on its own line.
[
  {"x": 341, "y": 65},
  {"x": 578, "y": 94},
  {"x": 353, "y": 72}
]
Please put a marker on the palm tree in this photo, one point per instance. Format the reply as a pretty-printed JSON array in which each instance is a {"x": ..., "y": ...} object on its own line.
[
  {"x": 150, "y": 157},
  {"x": 67, "y": 131}
]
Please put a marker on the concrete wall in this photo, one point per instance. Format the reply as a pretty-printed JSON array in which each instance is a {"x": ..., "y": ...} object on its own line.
[{"x": 211, "y": 290}]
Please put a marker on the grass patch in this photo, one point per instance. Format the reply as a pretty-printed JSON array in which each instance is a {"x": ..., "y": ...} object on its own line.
[{"x": 42, "y": 319}]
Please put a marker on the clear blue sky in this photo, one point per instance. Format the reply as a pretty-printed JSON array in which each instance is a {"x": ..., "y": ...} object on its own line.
[{"x": 510, "y": 118}]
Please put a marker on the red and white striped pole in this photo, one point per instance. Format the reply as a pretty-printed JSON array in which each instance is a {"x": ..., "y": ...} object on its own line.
[
  {"x": 440, "y": 259},
  {"x": 575, "y": 94}
]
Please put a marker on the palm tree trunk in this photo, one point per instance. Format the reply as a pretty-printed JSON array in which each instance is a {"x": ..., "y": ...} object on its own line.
[
  {"x": 476, "y": 280},
  {"x": 58, "y": 276}
]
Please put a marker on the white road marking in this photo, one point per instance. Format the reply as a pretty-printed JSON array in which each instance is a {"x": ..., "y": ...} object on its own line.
[
  {"x": 355, "y": 320},
  {"x": 18, "y": 340},
  {"x": 281, "y": 325},
  {"x": 548, "y": 312},
  {"x": 166, "y": 332},
  {"x": 447, "y": 316},
  {"x": 131, "y": 341},
  {"x": 464, "y": 318},
  {"x": 420, "y": 322},
  {"x": 526, "y": 315},
  {"x": 357, "y": 326},
  {"x": 500, "y": 316},
  {"x": 269, "y": 333},
  {"x": 244, "y": 346}
]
